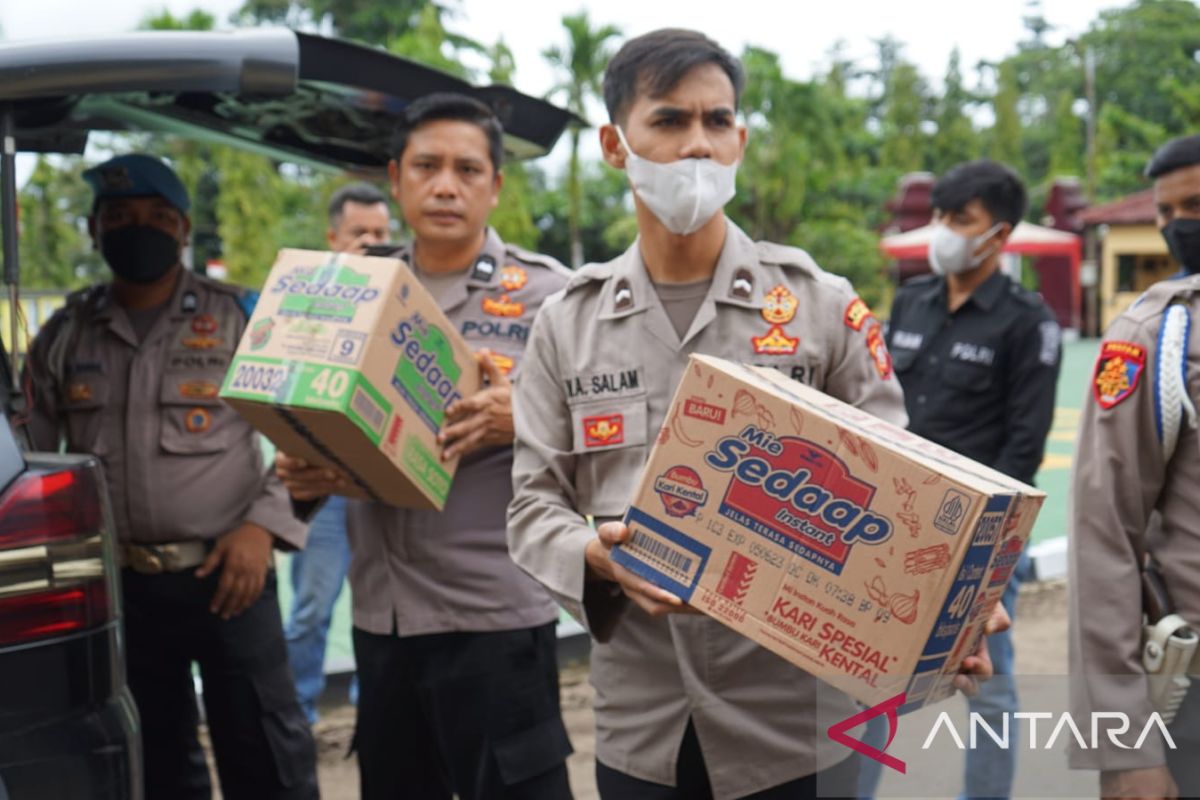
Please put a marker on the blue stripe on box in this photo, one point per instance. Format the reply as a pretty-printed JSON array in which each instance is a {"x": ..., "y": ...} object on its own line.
[{"x": 670, "y": 559}]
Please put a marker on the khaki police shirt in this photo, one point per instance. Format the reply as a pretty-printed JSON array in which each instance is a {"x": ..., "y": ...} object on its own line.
[
  {"x": 607, "y": 347},
  {"x": 1120, "y": 478},
  {"x": 180, "y": 464},
  {"x": 418, "y": 572}
]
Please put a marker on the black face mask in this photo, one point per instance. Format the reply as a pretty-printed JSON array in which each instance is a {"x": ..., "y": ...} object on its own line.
[
  {"x": 1183, "y": 240},
  {"x": 139, "y": 253}
]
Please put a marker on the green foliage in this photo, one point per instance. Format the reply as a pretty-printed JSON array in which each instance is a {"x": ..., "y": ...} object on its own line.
[
  {"x": 581, "y": 65},
  {"x": 823, "y": 157},
  {"x": 248, "y": 226},
  {"x": 606, "y": 221},
  {"x": 807, "y": 178},
  {"x": 196, "y": 20},
  {"x": 956, "y": 140},
  {"x": 903, "y": 142},
  {"x": 54, "y": 247},
  {"x": 1141, "y": 50},
  {"x": 1005, "y": 140},
  {"x": 1066, "y": 143},
  {"x": 1124, "y": 143}
]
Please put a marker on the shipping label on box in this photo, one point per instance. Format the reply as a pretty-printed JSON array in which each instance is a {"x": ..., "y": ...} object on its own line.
[
  {"x": 348, "y": 362},
  {"x": 850, "y": 547}
]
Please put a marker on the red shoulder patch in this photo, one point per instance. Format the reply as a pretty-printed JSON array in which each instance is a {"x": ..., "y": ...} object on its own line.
[
  {"x": 1118, "y": 371},
  {"x": 857, "y": 314}
]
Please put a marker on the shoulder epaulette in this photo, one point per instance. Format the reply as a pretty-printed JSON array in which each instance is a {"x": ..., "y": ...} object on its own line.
[
  {"x": 536, "y": 259},
  {"x": 1154, "y": 300},
  {"x": 794, "y": 258},
  {"x": 588, "y": 273}
]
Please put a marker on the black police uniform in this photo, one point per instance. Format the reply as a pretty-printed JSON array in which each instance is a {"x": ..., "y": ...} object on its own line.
[{"x": 979, "y": 380}]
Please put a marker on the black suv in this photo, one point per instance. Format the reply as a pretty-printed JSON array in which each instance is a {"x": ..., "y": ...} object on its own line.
[{"x": 68, "y": 725}]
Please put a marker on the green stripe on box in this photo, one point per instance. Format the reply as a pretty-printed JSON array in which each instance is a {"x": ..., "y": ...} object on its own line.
[
  {"x": 300, "y": 384},
  {"x": 425, "y": 469}
]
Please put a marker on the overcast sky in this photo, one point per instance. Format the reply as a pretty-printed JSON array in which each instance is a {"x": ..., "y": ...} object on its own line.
[{"x": 801, "y": 32}]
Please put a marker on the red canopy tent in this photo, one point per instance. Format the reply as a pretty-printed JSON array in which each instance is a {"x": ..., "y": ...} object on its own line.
[{"x": 1027, "y": 240}]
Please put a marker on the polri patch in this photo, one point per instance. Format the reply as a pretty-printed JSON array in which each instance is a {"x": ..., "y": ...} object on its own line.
[
  {"x": 779, "y": 306},
  {"x": 603, "y": 431},
  {"x": 502, "y": 306},
  {"x": 775, "y": 343},
  {"x": 1118, "y": 370},
  {"x": 857, "y": 314},
  {"x": 513, "y": 278},
  {"x": 879, "y": 352},
  {"x": 198, "y": 420}
]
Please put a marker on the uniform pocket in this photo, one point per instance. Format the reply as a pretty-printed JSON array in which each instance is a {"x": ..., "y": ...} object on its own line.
[
  {"x": 83, "y": 400},
  {"x": 194, "y": 420},
  {"x": 532, "y": 752},
  {"x": 903, "y": 360},
  {"x": 967, "y": 377},
  {"x": 609, "y": 439}
]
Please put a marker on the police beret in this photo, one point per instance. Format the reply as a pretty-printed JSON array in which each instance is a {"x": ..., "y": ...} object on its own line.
[{"x": 137, "y": 175}]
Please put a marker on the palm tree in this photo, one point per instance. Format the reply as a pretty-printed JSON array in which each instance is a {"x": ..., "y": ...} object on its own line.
[{"x": 582, "y": 65}]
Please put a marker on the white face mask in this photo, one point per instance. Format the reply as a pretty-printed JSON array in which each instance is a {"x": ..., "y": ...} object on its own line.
[
  {"x": 683, "y": 194},
  {"x": 952, "y": 253}
]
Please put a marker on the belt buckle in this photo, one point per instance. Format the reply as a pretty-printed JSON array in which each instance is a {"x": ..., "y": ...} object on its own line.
[{"x": 145, "y": 560}]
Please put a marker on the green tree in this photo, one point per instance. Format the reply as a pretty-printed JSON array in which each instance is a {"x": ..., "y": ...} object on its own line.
[
  {"x": 1005, "y": 138},
  {"x": 903, "y": 145},
  {"x": 956, "y": 140},
  {"x": 1066, "y": 150},
  {"x": 606, "y": 223},
  {"x": 1141, "y": 50},
  {"x": 810, "y": 176},
  {"x": 581, "y": 64},
  {"x": 428, "y": 42},
  {"x": 513, "y": 217},
  {"x": 195, "y": 20},
  {"x": 1124, "y": 143},
  {"x": 248, "y": 218},
  {"x": 53, "y": 244}
]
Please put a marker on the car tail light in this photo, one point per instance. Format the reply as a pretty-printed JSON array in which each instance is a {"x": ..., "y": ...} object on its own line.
[
  {"x": 56, "y": 576},
  {"x": 50, "y": 506}
]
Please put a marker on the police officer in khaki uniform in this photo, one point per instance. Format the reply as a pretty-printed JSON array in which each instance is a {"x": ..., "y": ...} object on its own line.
[
  {"x": 455, "y": 646},
  {"x": 685, "y": 707},
  {"x": 1138, "y": 453},
  {"x": 129, "y": 372}
]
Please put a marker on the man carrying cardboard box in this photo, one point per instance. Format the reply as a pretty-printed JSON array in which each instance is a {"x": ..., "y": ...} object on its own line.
[
  {"x": 455, "y": 646},
  {"x": 685, "y": 707},
  {"x": 358, "y": 219}
]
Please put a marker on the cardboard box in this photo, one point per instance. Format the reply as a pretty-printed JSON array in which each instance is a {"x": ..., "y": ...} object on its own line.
[
  {"x": 850, "y": 547},
  {"x": 349, "y": 362}
]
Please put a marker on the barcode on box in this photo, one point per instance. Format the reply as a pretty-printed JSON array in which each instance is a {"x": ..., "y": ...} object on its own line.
[
  {"x": 368, "y": 410},
  {"x": 668, "y": 559}
]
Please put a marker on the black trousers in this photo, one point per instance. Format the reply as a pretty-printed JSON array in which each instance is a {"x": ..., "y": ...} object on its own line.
[
  {"x": 260, "y": 737},
  {"x": 1183, "y": 761},
  {"x": 472, "y": 714},
  {"x": 691, "y": 780}
]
